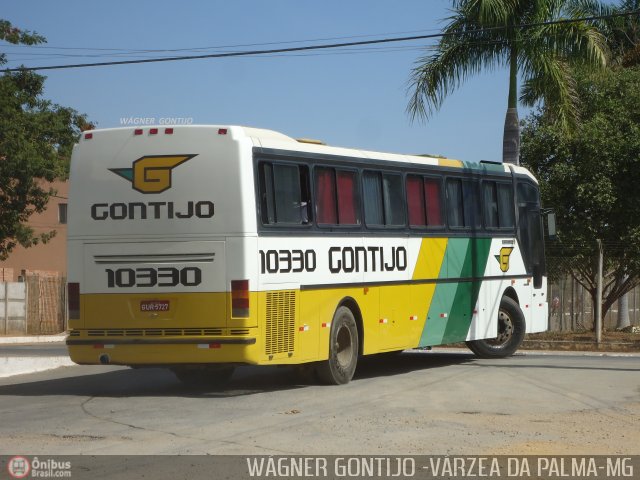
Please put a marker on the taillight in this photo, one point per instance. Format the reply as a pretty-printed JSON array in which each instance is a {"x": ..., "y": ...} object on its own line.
[
  {"x": 240, "y": 298},
  {"x": 73, "y": 300}
]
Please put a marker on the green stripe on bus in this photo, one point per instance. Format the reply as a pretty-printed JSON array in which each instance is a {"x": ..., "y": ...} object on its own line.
[{"x": 452, "y": 306}]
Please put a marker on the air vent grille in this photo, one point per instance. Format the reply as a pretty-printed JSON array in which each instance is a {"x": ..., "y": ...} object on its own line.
[
  {"x": 281, "y": 315},
  {"x": 152, "y": 332}
]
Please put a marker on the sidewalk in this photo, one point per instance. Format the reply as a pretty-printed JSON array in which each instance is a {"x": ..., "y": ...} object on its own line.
[{"x": 19, "y": 355}]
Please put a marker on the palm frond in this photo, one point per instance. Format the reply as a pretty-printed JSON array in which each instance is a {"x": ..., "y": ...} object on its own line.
[{"x": 551, "y": 81}]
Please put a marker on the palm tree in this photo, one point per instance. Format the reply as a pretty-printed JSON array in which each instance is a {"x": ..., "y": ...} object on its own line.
[
  {"x": 622, "y": 31},
  {"x": 484, "y": 34}
]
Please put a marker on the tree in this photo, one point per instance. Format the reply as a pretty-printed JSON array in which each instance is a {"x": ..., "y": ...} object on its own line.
[
  {"x": 590, "y": 179},
  {"x": 36, "y": 138},
  {"x": 622, "y": 33},
  {"x": 484, "y": 34},
  {"x": 621, "y": 30}
]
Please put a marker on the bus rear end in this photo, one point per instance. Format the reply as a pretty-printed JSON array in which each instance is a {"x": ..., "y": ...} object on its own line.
[{"x": 159, "y": 218}]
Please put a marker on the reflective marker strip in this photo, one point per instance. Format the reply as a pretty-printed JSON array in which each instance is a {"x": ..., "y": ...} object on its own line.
[
  {"x": 413, "y": 317},
  {"x": 384, "y": 321},
  {"x": 209, "y": 345},
  {"x": 326, "y": 324},
  {"x": 304, "y": 328},
  {"x": 102, "y": 345},
  {"x": 444, "y": 315}
]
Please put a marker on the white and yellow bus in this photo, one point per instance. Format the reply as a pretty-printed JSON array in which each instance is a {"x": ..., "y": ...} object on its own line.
[{"x": 201, "y": 248}]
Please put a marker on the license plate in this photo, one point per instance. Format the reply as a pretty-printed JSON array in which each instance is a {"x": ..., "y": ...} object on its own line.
[{"x": 154, "y": 306}]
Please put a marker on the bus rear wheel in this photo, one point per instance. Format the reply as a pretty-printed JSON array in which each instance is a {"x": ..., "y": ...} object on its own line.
[
  {"x": 511, "y": 330},
  {"x": 208, "y": 377},
  {"x": 339, "y": 368}
]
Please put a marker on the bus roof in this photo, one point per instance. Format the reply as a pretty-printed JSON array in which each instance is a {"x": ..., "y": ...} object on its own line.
[{"x": 270, "y": 139}]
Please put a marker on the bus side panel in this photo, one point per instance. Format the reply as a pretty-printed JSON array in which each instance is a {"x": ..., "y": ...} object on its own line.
[{"x": 457, "y": 292}]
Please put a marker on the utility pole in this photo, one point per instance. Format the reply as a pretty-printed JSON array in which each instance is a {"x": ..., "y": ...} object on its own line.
[{"x": 599, "y": 295}]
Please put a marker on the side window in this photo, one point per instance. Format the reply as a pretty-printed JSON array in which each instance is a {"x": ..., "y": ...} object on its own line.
[
  {"x": 455, "y": 205},
  {"x": 372, "y": 193},
  {"x": 326, "y": 211},
  {"x": 432, "y": 197},
  {"x": 393, "y": 201},
  {"x": 415, "y": 202},
  {"x": 383, "y": 199},
  {"x": 62, "y": 213},
  {"x": 490, "y": 194},
  {"x": 348, "y": 198},
  {"x": 463, "y": 205},
  {"x": 336, "y": 200},
  {"x": 284, "y": 194},
  {"x": 423, "y": 201},
  {"x": 472, "y": 214},
  {"x": 498, "y": 204},
  {"x": 505, "y": 206}
]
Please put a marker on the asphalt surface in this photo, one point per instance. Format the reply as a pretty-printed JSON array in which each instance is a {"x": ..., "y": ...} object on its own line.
[{"x": 412, "y": 403}]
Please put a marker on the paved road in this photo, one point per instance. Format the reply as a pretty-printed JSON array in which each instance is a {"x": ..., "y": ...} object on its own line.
[{"x": 413, "y": 403}]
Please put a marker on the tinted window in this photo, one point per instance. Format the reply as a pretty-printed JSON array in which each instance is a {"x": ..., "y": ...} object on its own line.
[
  {"x": 336, "y": 197},
  {"x": 284, "y": 194},
  {"x": 455, "y": 209},
  {"x": 393, "y": 202},
  {"x": 348, "y": 204},
  {"x": 372, "y": 194},
  {"x": 432, "y": 196},
  {"x": 415, "y": 202},
  {"x": 490, "y": 194},
  {"x": 326, "y": 211},
  {"x": 423, "y": 201},
  {"x": 505, "y": 206},
  {"x": 383, "y": 199}
]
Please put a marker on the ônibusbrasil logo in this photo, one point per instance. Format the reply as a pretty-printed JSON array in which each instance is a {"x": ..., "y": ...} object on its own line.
[
  {"x": 21, "y": 467},
  {"x": 152, "y": 173},
  {"x": 18, "y": 467}
]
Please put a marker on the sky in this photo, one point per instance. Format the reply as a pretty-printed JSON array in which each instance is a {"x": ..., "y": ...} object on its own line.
[{"x": 353, "y": 98}]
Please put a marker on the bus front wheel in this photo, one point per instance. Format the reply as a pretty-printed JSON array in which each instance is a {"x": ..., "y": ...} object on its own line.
[
  {"x": 511, "y": 330},
  {"x": 339, "y": 368}
]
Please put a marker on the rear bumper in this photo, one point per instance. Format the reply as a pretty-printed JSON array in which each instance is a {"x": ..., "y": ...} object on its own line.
[
  {"x": 98, "y": 350},
  {"x": 161, "y": 341}
]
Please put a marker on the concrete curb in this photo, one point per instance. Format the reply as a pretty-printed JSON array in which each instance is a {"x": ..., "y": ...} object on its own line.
[
  {"x": 11, "y": 366},
  {"x": 60, "y": 337}
]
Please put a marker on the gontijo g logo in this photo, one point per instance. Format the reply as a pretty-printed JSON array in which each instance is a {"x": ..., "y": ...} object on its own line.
[
  {"x": 503, "y": 258},
  {"x": 152, "y": 173}
]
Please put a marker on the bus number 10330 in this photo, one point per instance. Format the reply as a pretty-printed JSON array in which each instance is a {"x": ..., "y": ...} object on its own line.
[
  {"x": 151, "y": 277},
  {"x": 285, "y": 261}
]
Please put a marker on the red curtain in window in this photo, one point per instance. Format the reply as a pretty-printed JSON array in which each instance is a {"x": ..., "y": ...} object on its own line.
[
  {"x": 347, "y": 208},
  {"x": 325, "y": 196},
  {"x": 432, "y": 197},
  {"x": 415, "y": 201}
]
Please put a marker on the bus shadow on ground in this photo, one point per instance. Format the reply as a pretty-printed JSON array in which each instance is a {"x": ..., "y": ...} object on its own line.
[
  {"x": 397, "y": 363},
  {"x": 160, "y": 382}
]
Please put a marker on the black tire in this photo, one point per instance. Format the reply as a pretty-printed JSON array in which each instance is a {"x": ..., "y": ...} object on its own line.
[
  {"x": 339, "y": 368},
  {"x": 511, "y": 330},
  {"x": 204, "y": 377}
]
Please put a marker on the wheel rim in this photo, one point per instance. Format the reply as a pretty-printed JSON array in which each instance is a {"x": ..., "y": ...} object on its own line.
[
  {"x": 344, "y": 347},
  {"x": 505, "y": 330}
]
